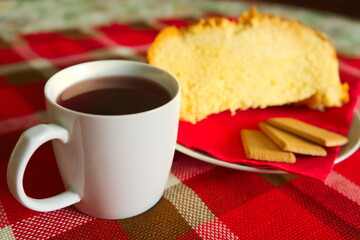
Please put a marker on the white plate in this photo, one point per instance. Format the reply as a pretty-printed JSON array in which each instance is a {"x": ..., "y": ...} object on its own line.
[{"x": 345, "y": 152}]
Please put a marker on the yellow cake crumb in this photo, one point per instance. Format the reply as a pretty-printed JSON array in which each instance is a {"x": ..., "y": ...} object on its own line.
[{"x": 260, "y": 60}]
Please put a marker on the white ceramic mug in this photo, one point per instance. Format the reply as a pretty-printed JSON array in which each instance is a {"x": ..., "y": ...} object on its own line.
[{"x": 112, "y": 167}]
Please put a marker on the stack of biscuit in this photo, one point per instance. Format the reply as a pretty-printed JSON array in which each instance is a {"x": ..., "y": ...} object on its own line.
[{"x": 281, "y": 138}]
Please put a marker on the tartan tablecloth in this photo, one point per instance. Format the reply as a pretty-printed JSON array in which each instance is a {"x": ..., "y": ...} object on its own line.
[{"x": 201, "y": 201}]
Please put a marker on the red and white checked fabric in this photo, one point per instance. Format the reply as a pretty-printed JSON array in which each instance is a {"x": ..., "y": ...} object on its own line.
[{"x": 201, "y": 201}]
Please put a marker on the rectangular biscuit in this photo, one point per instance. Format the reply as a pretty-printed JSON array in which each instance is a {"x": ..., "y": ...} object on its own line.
[
  {"x": 258, "y": 147},
  {"x": 289, "y": 142},
  {"x": 308, "y": 131}
]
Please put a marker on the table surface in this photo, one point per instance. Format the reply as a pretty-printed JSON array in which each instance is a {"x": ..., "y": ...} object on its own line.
[{"x": 201, "y": 200}]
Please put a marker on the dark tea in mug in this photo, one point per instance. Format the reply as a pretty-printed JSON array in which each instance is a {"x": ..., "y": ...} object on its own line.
[{"x": 114, "y": 95}]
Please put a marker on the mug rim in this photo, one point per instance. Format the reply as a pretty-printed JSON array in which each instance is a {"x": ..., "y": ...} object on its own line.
[{"x": 53, "y": 78}]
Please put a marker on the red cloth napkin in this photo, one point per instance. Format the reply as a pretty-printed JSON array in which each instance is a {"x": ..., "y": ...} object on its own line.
[{"x": 219, "y": 134}]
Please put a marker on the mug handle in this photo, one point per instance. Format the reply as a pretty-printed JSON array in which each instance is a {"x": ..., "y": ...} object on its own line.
[{"x": 29, "y": 141}]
